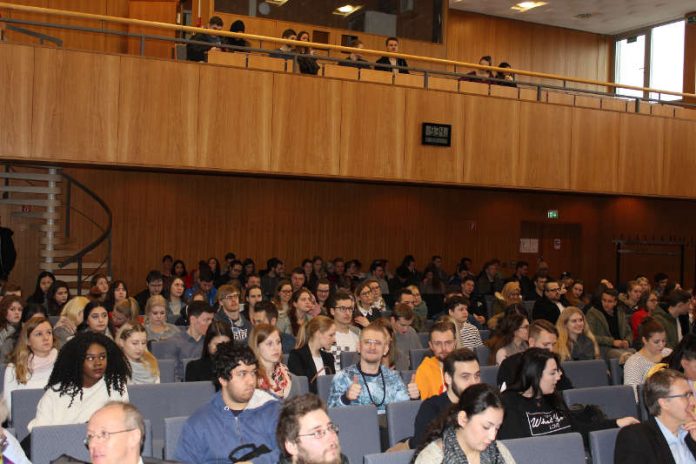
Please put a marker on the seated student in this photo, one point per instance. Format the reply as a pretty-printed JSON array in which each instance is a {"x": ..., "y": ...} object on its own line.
[
  {"x": 505, "y": 78},
  {"x": 368, "y": 381},
  {"x": 281, "y": 300},
  {"x": 132, "y": 339},
  {"x": 677, "y": 304},
  {"x": 510, "y": 337},
  {"x": 239, "y": 414},
  {"x": 549, "y": 307},
  {"x": 189, "y": 343},
  {"x": 462, "y": 370},
  {"x": 576, "y": 342},
  {"x": 43, "y": 283},
  {"x": 646, "y": 306},
  {"x": 229, "y": 312},
  {"x": 405, "y": 338},
  {"x": 387, "y": 63},
  {"x": 237, "y": 26},
  {"x": 156, "y": 324},
  {"x": 313, "y": 357},
  {"x": 273, "y": 376},
  {"x": 481, "y": 75},
  {"x": 203, "y": 285},
  {"x": 364, "y": 314},
  {"x": 355, "y": 59},
  {"x": 201, "y": 369},
  {"x": 32, "y": 360},
  {"x": 468, "y": 335},
  {"x": 76, "y": 389},
  {"x": 609, "y": 324},
  {"x": 266, "y": 312},
  {"x": 301, "y": 304},
  {"x": 533, "y": 406},
  {"x": 306, "y": 434},
  {"x": 96, "y": 320},
  {"x": 11, "y": 452},
  {"x": 308, "y": 64},
  {"x": 155, "y": 284},
  {"x": 429, "y": 375},
  {"x": 10, "y": 324},
  {"x": 542, "y": 334},
  {"x": 683, "y": 359},
  {"x": 252, "y": 296},
  {"x": 124, "y": 312},
  {"x": 653, "y": 339},
  {"x": 175, "y": 309},
  {"x": 57, "y": 296},
  {"x": 468, "y": 433},
  {"x": 284, "y": 52},
  {"x": 199, "y": 52},
  {"x": 70, "y": 319},
  {"x": 340, "y": 307},
  {"x": 117, "y": 292},
  {"x": 669, "y": 435}
]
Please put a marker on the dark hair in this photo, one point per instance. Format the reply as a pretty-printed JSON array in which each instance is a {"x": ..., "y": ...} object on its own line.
[
  {"x": 110, "y": 300},
  {"x": 66, "y": 377},
  {"x": 469, "y": 278},
  {"x": 91, "y": 306},
  {"x": 287, "y": 33},
  {"x": 5, "y": 306},
  {"x": 538, "y": 276},
  {"x": 292, "y": 311},
  {"x": 205, "y": 274},
  {"x": 153, "y": 275},
  {"x": 167, "y": 258},
  {"x": 486, "y": 58},
  {"x": 196, "y": 308},
  {"x": 542, "y": 325},
  {"x": 660, "y": 276},
  {"x": 340, "y": 295},
  {"x": 400, "y": 292},
  {"x": 676, "y": 297},
  {"x": 215, "y": 329},
  {"x": 521, "y": 264},
  {"x": 268, "y": 307},
  {"x": 228, "y": 356},
  {"x": 290, "y": 414},
  {"x": 237, "y": 26},
  {"x": 685, "y": 349},
  {"x": 458, "y": 355},
  {"x": 443, "y": 326},
  {"x": 649, "y": 327},
  {"x": 532, "y": 368},
  {"x": 183, "y": 265},
  {"x": 299, "y": 270},
  {"x": 95, "y": 278},
  {"x": 38, "y": 296},
  {"x": 456, "y": 301},
  {"x": 32, "y": 309},
  {"x": 52, "y": 305},
  {"x": 215, "y": 21},
  {"x": 386, "y": 42},
  {"x": 658, "y": 386},
  {"x": 610, "y": 291},
  {"x": 505, "y": 332},
  {"x": 504, "y": 64}
]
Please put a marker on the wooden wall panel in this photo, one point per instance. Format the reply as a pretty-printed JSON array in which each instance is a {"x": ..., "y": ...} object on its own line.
[
  {"x": 442, "y": 164},
  {"x": 491, "y": 152},
  {"x": 160, "y": 11},
  {"x": 372, "y": 142},
  {"x": 77, "y": 39},
  {"x": 679, "y": 161},
  {"x": 545, "y": 139},
  {"x": 158, "y": 113},
  {"x": 234, "y": 131},
  {"x": 642, "y": 141},
  {"x": 306, "y": 133},
  {"x": 75, "y": 117},
  {"x": 594, "y": 158},
  {"x": 16, "y": 89}
]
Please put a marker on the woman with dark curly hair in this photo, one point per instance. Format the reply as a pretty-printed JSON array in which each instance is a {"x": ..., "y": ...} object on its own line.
[{"x": 90, "y": 371}]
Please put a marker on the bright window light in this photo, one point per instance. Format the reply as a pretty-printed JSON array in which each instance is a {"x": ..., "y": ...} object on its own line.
[{"x": 526, "y": 6}]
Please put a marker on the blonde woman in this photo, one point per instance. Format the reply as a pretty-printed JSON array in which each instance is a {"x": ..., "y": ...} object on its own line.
[
  {"x": 125, "y": 312},
  {"x": 312, "y": 356},
  {"x": 132, "y": 339},
  {"x": 156, "y": 324},
  {"x": 32, "y": 360},
  {"x": 575, "y": 339},
  {"x": 273, "y": 375},
  {"x": 71, "y": 317},
  {"x": 510, "y": 294}
]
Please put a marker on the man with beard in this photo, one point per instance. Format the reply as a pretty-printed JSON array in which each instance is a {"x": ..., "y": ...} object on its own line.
[
  {"x": 461, "y": 371},
  {"x": 306, "y": 434},
  {"x": 429, "y": 375}
]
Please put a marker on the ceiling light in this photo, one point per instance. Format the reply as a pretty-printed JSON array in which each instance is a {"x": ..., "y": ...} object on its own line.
[
  {"x": 277, "y": 2},
  {"x": 346, "y": 10},
  {"x": 526, "y": 6}
]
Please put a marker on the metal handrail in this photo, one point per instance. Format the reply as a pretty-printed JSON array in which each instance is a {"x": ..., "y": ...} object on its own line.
[{"x": 37, "y": 35}]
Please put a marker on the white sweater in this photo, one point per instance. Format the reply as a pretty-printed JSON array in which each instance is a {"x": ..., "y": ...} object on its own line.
[
  {"x": 37, "y": 379},
  {"x": 55, "y": 410}
]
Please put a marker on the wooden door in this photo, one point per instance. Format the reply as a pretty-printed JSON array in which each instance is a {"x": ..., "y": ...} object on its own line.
[{"x": 558, "y": 245}]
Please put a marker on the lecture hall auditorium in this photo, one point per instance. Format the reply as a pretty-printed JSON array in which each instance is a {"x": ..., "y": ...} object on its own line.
[{"x": 469, "y": 133}]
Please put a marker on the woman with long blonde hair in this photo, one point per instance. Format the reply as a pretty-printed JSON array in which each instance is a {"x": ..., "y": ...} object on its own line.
[
  {"x": 156, "y": 324},
  {"x": 575, "y": 339},
  {"x": 273, "y": 375},
  {"x": 312, "y": 354},
  {"x": 71, "y": 317},
  {"x": 132, "y": 339},
  {"x": 32, "y": 360}
]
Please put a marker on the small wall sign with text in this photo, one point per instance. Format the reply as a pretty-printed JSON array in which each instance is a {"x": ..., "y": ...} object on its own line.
[{"x": 439, "y": 135}]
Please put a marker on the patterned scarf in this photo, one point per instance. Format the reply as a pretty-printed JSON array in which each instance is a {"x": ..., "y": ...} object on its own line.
[{"x": 455, "y": 455}]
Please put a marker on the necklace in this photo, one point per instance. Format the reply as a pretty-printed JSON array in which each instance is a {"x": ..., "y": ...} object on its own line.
[{"x": 367, "y": 387}]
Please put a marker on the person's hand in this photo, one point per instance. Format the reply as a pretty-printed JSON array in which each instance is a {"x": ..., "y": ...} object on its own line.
[
  {"x": 354, "y": 391},
  {"x": 624, "y": 421},
  {"x": 214, "y": 49},
  {"x": 481, "y": 320},
  {"x": 361, "y": 321},
  {"x": 690, "y": 426},
  {"x": 412, "y": 387},
  {"x": 620, "y": 344}
]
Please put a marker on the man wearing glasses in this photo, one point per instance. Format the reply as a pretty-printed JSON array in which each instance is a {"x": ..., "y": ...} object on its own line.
[
  {"x": 230, "y": 312},
  {"x": 430, "y": 377},
  {"x": 238, "y": 423},
  {"x": 347, "y": 335},
  {"x": 549, "y": 307},
  {"x": 306, "y": 434},
  {"x": 669, "y": 435}
]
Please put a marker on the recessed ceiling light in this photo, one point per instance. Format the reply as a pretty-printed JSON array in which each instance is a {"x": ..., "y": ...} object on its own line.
[
  {"x": 346, "y": 10},
  {"x": 526, "y": 6},
  {"x": 277, "y": 2}
]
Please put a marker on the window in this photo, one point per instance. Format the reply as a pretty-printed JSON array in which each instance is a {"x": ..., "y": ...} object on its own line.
[{"x": 630, "y": 64}]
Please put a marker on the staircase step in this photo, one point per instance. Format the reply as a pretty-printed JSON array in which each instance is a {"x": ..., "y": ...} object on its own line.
[
  {"x": 35, "y": 215},
  {"x": 30, "y": 202},
  {"x": 72, "y": 278},
  {"x": 70, "y": 267},
  {"x": 59, "y": 253},
  {"x": 29, "y": 189},
  {"x": 31, "y": 176}
]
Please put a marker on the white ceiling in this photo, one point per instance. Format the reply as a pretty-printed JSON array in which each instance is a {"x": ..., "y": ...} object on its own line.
[{"x": 609, "y": 17}]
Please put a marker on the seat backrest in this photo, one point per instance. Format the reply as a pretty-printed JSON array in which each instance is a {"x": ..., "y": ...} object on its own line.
[
  {"x": 643, "y": 413},
  {"x": 485, "y": 334},
  {"x": 583, "y": 374},
  {"x": 24, "y": 404},
  {"x": 163, "y": 350},
  {"x": 548, "y": 449},
  {"x": 172, "y": 431},
  {"x": 166, "y": 367},
  {"x": 434, "y": 302},
  {"x": 300, "y": 385},
  {"x": 396, "y": 457},
  {"x": 424, "y": 338},
  {"x": 348, "y": 358},
  {"x": 483, "y": 353},
  {"x": 602, "y": 444},
  {"x": 489, "y": 375},
  {"x": 359, "y": 430},
  {"x": 324, "y": 386},
  {"x": 615, "y": 400},
  {"x": 51, "y": 441},
  {"x": 406, "y": 376},
  {"x": 528, "y": 305},
  {"x": 401, "y": 417},
  {"x": 180, "y": 52},
  {"x": 615, "y": 371},
  {"x": 417, "y": 357},
  {"x": 156, "y": 402}
]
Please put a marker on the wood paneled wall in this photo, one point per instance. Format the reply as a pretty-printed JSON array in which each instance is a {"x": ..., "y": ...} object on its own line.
[
  {"x": 163, "y": 114},
  {"x": 197, "y": 216}
]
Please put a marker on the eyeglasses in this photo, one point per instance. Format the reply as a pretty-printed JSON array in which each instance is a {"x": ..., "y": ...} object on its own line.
[
  {"x": 344, "y": 309},
  {"x": 687, "y": 396},
  {"x": 232, "y": 296},
  {"x": 370, "y": 341},
  {"x": 102, "y": 436},
  {"x": 366, "y": 292},
  {"x": 318, "y": 434},
  {"x": 446, "y": 344}
]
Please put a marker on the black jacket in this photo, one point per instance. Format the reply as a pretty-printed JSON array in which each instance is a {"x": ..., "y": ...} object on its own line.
[
  {"x": 383, "y": 64},
  {"x": 8, "y": 254},
  {"x": 428, "y": 412},
  {"x": 644, "y": 443},
  {"x": 300, "y": 362},
  {"x": 546, "y": 309},
  {"x": 198, "y": 52}
]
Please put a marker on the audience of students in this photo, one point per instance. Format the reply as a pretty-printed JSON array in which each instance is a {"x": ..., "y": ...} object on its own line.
[{"x": 312, "y": 356}]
